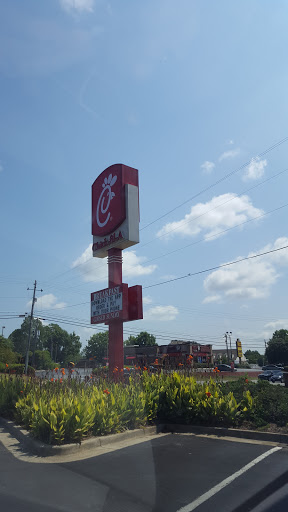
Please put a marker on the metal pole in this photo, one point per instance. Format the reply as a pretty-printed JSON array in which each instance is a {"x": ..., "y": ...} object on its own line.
[
  {"x": 230, "y": 345},
  {"x": 3, "y": 327},
  {"x": 115, "y": 343},
  {"x": 226, "y": 340}
]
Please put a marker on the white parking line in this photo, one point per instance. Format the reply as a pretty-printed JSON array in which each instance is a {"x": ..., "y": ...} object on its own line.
[{"x": 207, "y": 495}]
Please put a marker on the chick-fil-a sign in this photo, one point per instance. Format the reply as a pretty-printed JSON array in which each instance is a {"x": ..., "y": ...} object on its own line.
[{"x": 115, "y": 209}]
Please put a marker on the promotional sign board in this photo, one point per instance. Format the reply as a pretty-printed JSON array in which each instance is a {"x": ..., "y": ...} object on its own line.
[
  {"x": 110, "y": 304},
  {"x": 115, "y": 209},
  {"x": 239, "y": 348}
]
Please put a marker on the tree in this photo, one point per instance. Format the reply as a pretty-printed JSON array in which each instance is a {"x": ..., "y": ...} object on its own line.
[
  {"x": 97, "y": 346},
  {"x": 254, "y": 357},
  {"x": 7, "y": 355},
  {"x": 63, "y": 347},
  {"x": 132, "y": 340},
  {"x": 144, "y": 339},
  {"x": 43, "y": 360},
  {"x": 277, "y": 347},
  {"x": 19, "y": 337}
]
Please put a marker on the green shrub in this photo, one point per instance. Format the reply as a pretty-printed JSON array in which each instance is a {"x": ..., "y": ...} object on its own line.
[
  {"x": 66, "y": 411},
  {"x": 19, "y": 369}
]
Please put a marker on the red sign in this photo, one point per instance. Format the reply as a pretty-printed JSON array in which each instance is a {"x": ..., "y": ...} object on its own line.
[
  {"x": 110, "y": 304},
  {"x": 108, "y": 198}
]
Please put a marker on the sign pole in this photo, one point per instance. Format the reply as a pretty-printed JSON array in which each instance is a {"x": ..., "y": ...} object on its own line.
[{"x": 115, "y": 343}]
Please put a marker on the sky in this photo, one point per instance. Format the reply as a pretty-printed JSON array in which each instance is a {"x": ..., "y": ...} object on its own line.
[{"x": 191, "y": 93}]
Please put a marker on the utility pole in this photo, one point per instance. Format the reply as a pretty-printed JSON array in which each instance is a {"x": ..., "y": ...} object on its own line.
[
  {"x": 30, "y": 325},
  {"x": 35, "y": 341},
  {"x": 264, "y": 359}
]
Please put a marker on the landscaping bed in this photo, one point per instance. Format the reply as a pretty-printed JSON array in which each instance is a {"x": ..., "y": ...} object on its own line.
[{"x": 60, "y": 412}]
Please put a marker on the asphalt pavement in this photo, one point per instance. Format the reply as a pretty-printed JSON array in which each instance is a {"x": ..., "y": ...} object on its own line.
[{"x": 171, "y": 473}]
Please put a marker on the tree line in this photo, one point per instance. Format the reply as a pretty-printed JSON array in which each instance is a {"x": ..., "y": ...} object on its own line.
[{"x": 51, "y": 345}]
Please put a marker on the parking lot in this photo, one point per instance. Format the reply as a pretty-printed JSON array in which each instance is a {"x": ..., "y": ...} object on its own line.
[{"x": 171, "y": 473}]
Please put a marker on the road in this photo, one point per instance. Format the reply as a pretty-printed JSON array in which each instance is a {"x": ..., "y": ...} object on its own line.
[{"x": 165, "y": 473}]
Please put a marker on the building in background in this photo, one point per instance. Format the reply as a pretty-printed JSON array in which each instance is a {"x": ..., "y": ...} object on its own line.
[{"x": 220, "y": 355}]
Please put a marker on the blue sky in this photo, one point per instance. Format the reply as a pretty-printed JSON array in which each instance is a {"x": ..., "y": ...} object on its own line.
[{"x": 186, "y": 92}]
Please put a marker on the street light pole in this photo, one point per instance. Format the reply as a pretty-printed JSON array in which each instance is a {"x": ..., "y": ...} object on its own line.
[
  {"x": 230, "y": 334},
  {"x": 3, "y": 327},
  {"x": 226, "y": 341}
]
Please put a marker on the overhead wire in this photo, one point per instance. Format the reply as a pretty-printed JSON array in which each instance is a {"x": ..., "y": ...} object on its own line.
[
  {"x": 188, "y": 222},
  {"x": 263, "y": 153},
  {"x": 191, "y": 274}
]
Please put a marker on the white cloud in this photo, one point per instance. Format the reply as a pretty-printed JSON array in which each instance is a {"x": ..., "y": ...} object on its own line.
[
  {"x": 147, "y": 300},
  {"x": 211, "y": 298},
  {"x": 224, "y": 211},
  {"x": 255, "y": 169},
  {"x": 162, "y": 313},
  {"x": 278, "y": 324},
  {"x": 48, "y": 301},
  {"x": 229, "y": 154},
  {"x": 250, "y": 279},
  {"x": 77, "y": 5},
  {"x": 94, "y": 269},
  {"x": 207, "y": 167}
]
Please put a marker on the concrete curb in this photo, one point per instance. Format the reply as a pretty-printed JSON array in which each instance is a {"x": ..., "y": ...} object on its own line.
[
  {"x": 224, "y": 432},
  {"x": 42, "y": 449}
]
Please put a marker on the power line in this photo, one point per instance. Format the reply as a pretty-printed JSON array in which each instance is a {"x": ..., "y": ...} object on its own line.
[
  {"x": 193, "y": 197},
  {"x": 279, "y": 143},
  {"x": 189, "y": 221},
  {"x": 215, "y": 268}
]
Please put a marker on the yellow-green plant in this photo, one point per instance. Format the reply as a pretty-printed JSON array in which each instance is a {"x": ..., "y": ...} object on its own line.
[{"x": 62, "y": 412}]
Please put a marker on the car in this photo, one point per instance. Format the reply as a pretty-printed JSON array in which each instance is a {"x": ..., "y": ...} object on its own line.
[
  {"x": 266, "y": 375},
  {"x": 225, "y": 368},
  {"x": 272, "y": 367},
  {"x": 277, "y": 377}
]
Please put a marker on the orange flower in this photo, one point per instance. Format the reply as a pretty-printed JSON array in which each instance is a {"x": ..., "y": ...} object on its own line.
[
  {"x": 115, "y": 369},
  {"x": 180, "y": 364},
  {"x": 106, "y": 392},
  {"x": 246, "y": 380},
  {"x": 21, "y": 391},
  {"x": 139, "y": 368},
  {"x": 144, "y": 368},
  {"x": 208, "y": 394},
  {"x": 63, "y": 371},
  {"x": 52, "y": 380},
  {"x": 128, "y": 369},
  {"x": 218, "y": 371},
  {"x": 121, "y": 370},
  {"x": 7, "y": 365},
  {"x": 56, "y": 369},
  {"x": 61, "y": 380}
]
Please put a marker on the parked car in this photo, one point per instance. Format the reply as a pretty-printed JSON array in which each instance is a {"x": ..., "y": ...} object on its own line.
[
  {"x": 225, "y": 368},
  {"x": 277, "y": 377},
  {"x": 272, "y": 367},
  {"x": 266, "y": 375}
]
